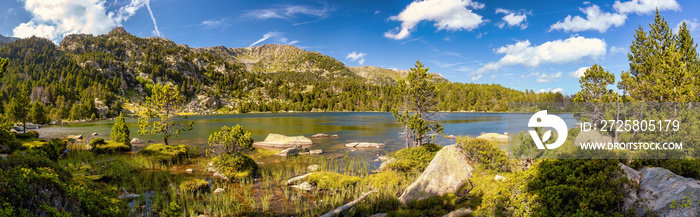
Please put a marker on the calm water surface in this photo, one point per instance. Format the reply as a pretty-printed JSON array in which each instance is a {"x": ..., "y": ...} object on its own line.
[{"x": 350, "y": 127}]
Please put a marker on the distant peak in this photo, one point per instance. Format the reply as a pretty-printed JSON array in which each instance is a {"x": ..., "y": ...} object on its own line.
[{"x": 118, "y": 30}]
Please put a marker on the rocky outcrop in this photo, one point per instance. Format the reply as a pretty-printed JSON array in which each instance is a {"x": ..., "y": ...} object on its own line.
[
  {"x": 659, "y": 192},
  {"x": 203, "y": 105},
  {"x": 281, "y": 141},
  {"x": 446, "y": 173},
  {"x": 364, "y": 145}
]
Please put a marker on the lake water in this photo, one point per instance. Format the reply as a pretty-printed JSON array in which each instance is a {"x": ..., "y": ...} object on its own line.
[{"x": 350, "y": 127}]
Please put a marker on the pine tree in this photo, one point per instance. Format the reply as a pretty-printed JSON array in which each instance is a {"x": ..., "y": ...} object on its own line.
[
  {"x": 164, "y": 101},
  {"x": 419, "y": 92},
  {"x": 120, "y": 132},
  {"x": 689, "y": 55},
  {"x": 19, "y": 109},
  {"x": 37, "y": 113}
]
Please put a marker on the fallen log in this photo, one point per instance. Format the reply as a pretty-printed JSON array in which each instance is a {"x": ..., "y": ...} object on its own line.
[{"x": 342, "y": 208}]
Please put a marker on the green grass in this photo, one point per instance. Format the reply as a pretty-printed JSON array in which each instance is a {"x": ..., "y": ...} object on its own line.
[{"x": 32, "y": 142}]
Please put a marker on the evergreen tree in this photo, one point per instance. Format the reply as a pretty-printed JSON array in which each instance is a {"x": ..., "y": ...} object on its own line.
[
  {"x": 594, "y": 86},
  {"x": 231, "y": 140},
  {"x": 19, "y": 109},
  {"x": 120, "y": 132},
  {"x": 419, "y": 92},
  {"x": 37, "y": 113},
  {"x": 689, "y": 55},
  {"x": 164, "y": 101}
]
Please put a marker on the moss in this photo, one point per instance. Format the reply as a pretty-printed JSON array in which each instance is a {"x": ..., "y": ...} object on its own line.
[
  {"x": 194, "y": 185},
  {"x": 100, "y": 146},
  {"x": 386, "y": 179},
  {"x": 235, "y": 165},
  {"x": 32, "y": 142},
  {"x": 331, "y": 180},
  {"x": 165, "y": 153},
  {"x": 417, "y": 158}
]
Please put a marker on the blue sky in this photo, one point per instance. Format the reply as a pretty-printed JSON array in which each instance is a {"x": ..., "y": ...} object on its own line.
[{"x": 536, "y": 45}]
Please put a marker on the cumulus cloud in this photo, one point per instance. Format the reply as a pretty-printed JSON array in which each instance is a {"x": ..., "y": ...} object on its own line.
[
  {"x": 556, "y": 90},
  {"x": 512, "y": 18},
  {"x": 690, "y": 24},
  {"x": 595, "y": 20},
  {"x": 278, "y": 36},
  {"x": 289, "y": 12},
  {"x": 358, "y": 57},
  {"x": 558, "y": 51},
  {"x": 614, "y": 50},
  {"x": 447, "y": 15},
  {"x": 545, "y": 78},
  {"x": 57, "y": 18},
  {"x": 645, "y": 6},
  {"x": 580, "y": 72}
]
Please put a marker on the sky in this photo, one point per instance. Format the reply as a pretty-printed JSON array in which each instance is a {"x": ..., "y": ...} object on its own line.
[{"x": 534, "y": 45}]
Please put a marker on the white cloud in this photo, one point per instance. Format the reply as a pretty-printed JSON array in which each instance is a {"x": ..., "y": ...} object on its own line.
[
  {"x": 289, "y": 12},
  {"x": 274, "y": 35},
  {"x": 358, "y": 57},
  {"x": 512, "y": 18},
  {"x": 614, "y": 50},
  {"x": 595, "y": 20},
  {"x": 559, "y": 51},
  {"x": 645, "y": 6},
  {"x": 556, "y": 90},
  {"x": 690, "y": 24},
  {"x": 212, "y": 23},
  {"x": 57, "y": 18},
  {"x": 580, "y": 72},
  {"x": 545, "y": 78},
  {"x": 447, "y": 15}
]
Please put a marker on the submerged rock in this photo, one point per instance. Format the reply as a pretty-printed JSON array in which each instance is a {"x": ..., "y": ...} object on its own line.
[
  {"x": 446, "y": 173},
  {"x": 364, "y": 145},
  {"x": 305, "y": 186},
  {"x": 281, "y": 141},
  {"x": 323, "y": 135},
  {"x": 661, "y": 193}
]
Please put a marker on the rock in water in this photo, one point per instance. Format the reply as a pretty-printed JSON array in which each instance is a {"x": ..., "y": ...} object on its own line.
[
  {"x": 662, "y": 193},
  {"x": 446, "y": 173},
  {"x": 135, "y": 141},
  {"x": 317, "y": 151},
  {"x": 313, "y": 168},
  {"x": 289, "y": 152},
  {"x": 304, "y": 186},
  {"x": 94, "y": 134},
  {"x": 364, "y": 145},
  {"x": 282, "y": 141}
]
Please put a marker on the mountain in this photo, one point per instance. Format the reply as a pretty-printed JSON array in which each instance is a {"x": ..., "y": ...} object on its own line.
[
  {"x": 4, "y": 39},
  {"x": 100, "y": 75}
]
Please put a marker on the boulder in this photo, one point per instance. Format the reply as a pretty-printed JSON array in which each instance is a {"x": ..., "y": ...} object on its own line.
[
  {"x": 317, "y": 151},
  {"x": 380, "y": 215},
  {"x": 305, "y": 186},
  {"x": 219, "y": 190},
  {"x": 499, "y": 178},
  {"x": 135, "y": 141},
  {"x": 384, "y": 164},
  {"x": 451, "y": 137},
  {"x": 313, "y": 168},
  {"x": 493, "y": 137},
  {"x": 94, "y": 134},
  {"x": 189, "y": 170},
  {"x": 446, "y": 173},
  {"x": 323, "y": 135},
  {"x": 364, "y": 145},
  {"x": 459, "y": 212},
  {"x": 75, "y": 137},
  {"x": 662, "y": 193},
  {"x": 289, "y": 152},
  {"x": 282, "y": 141}
]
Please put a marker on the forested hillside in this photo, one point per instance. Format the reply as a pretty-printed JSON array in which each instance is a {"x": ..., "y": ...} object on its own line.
[{"x": 90, "y": 76}]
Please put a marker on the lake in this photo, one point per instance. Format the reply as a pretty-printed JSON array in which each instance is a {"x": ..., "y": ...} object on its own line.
[{"x": 350, "y": 127}]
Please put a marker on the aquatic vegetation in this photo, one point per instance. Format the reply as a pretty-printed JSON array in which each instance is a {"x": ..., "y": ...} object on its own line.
[
  {"x": 194, "y": 185},
  {"x": 165, "y": 153}
]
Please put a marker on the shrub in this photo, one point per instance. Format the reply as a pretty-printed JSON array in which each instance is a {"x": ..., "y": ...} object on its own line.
[
  {"x": 35, "y": 186},
  {"x": 235, "y": 165},
  {"x": 120, "y": 132},
  {"x": 51, "y": 149},
  {"x": 418, "y": 158},
  {"x": 194, "y": 185},
  {"x": 331, "y": 180},
  {"x": 165, "y": 153},
  {"x": 28, "y": 135},
  {"x": 485, "y": 154},
  {"x": 385, "y": 179},
  {"x": 8, "y": 143},
  {"x": 578, "y": 188},
  {"x": 110, "y": 147}
]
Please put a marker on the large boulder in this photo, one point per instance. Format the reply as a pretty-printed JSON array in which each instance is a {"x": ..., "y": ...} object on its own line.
[
  {"x": 660, "y": 192},
  {"x": 446, "y": 173},
  {"x": 281, "y": 141}
]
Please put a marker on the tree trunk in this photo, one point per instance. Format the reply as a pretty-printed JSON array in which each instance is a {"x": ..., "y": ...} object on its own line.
[
  {"x": 165, "y": 140},
  {"x": 24, "y": 124}
]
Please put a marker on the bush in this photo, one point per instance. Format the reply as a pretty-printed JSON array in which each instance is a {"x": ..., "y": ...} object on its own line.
[
  {"x": 331, "y": 180},
  {"x": 485, "y": 154},
  {"x": 235, "y": 165},
  {"x": 386, "y": 179},
  {"x": 165, "y": 153},
  {"x": 51, "y": 149},
  {"x": 194, "y": 185},
  {"x": 28, "y": 135},
  {"x": 100, "y": 146},
  {"x": 578, "y": 188},
  {"x": 8, "y": 143},
  {"x": 414, "y": 159},
  {"x": 35, "y": 186}
]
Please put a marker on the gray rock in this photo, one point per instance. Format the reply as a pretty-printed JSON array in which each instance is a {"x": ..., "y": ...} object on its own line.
[
  {"x": 94, "y": 134},
  {"x": 499, "y": 178},
  {"x": 289, "y": 152},
  {"x": 663, "y": 193},
  {"x": 189, "y": 170},
  {"x": 323, "y": 135},
  {"x": 305, "y": 186},
  {"x": 364, "y": 145},
  {"x": 129, "y": 196},
  {"x": 384, "y": 164},
  {"x": 459, "y": 212},
  {"x": 317, "y": 151},
  {"x": 446, "y": 173},
  {"x": 313, "y": 168},
  {"x": 75, "y": 137},
  {"x": 282, "y": 141},
  {"x": 135, "y": 141},
  {"x": 380, "y": 215},
  {"x": 383, "y": 158},
  {"x": 219, "y": 190},
  {"x": 451, "y": 137},
  {"x": 219, "y": 175},
  {"x": 3, "y": 156}
]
